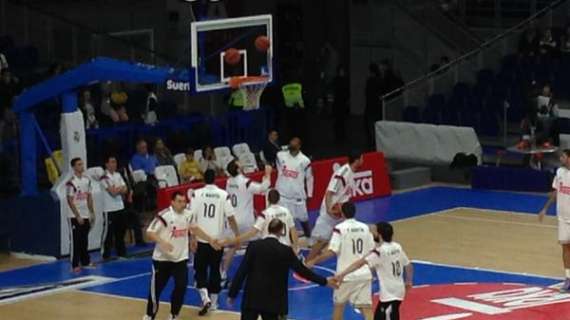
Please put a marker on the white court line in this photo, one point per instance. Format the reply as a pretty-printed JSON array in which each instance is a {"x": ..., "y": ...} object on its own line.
[
  {"x": 471, "y": 306},
  {"x": 450, "y": 316},
  {"x": 485, "y": 269}
]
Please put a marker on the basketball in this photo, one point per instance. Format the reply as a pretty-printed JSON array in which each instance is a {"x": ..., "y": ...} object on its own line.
[
  {"x": 262, "y": 43},
  {"x": 232, "y": 56}
]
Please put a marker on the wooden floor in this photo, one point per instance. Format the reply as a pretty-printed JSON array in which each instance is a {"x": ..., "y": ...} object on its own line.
[
  {"x": 9, "y": 262},
  {"x": 484, "y": 239},
  {"x": 82, "y": 305}
]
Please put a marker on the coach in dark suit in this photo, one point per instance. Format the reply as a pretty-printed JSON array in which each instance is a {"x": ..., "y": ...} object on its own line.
[{"x": 266, "y": 266}]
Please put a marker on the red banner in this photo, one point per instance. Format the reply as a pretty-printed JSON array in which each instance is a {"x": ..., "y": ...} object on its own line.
[{"x": 371, "y": 181}]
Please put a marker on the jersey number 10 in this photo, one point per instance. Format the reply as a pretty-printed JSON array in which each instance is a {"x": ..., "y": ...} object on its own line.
[
  {"x": 357, "y": 246},
  {"x": 209, "y": 210}
]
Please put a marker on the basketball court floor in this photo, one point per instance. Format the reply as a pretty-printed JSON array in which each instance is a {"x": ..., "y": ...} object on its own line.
[{"x": 477, "y": 255}]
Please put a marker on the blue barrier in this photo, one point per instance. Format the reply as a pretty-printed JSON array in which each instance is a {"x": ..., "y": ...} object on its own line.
[{"x": 512, "y": 179}]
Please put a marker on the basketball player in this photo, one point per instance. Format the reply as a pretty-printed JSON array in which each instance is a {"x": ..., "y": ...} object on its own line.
[
  {"x": 241, "y": 191},
  {"x": 170, "y": 231},
  {"x": 339, "y": 191},
  {"x": 294, "y": 175},
  {"x": 273, "y": 211},
  {"x": 210, "y": 207},
  {"x": 561, "y": 195},
  {"x": 113, "y": 210},
  {"x": 81, "y": 215},
  {"x": 350, "y": 242},
  {"x": 394, "y": 270}
]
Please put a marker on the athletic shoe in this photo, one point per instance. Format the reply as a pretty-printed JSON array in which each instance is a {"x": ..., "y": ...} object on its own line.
[
  {"x": 205, "y": 309},
  {"x": 146, "y": 317},
  {"x": 90, "y": 266},
  {"x": 76, "y": 270},
  {"x": 214, "y": 307},
  {"x": 566, "y": 286},
  {"x": 172, "y": 317}
]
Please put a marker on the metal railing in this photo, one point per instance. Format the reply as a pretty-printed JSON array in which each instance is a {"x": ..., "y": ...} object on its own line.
[{"x": 463, "y": 69}]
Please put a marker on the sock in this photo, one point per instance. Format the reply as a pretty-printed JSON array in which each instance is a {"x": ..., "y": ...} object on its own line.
[
  {"x": 567, "y": 273},
  {"x": 214, "y": 298},
  {"x": 204, "y": 294}
]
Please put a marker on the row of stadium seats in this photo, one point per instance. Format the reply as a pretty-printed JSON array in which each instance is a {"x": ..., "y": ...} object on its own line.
[{"x": 482, "y": 105}]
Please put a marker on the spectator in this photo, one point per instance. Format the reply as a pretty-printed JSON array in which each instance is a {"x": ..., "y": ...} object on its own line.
[
  {"x": 149, "y": 116},
  {"x": 132, "y": 217},
  {"x": 271, "y": 147},
  {"x": 528, "y": 44},
  {"x": 163, "y": 154},
  {"x": 210, "y": 162},
  {"x": 88, "y": 110},
  {"x": 118, "y": 104},
  {"x": 373, "y": 107},
  {"x": 189, "y": 169},
  {"x": 547, "y": 115},
  {"x": 142, "y": 160},
  {"x": 3, "y": 62},
  {"x": 341, "y": 91},
  {"x": 547, "y": 45},
  {"x": 106, "y": 108}
]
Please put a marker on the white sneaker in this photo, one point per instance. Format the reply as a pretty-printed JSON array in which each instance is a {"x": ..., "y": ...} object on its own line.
[
  {"x": 146, "y": 317},
  {"x": 171, "y": 317},
  {"x": 214, "y": 307}
]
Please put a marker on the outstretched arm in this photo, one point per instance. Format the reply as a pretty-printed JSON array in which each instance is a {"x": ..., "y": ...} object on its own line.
[{"x": 353, "y": 267}]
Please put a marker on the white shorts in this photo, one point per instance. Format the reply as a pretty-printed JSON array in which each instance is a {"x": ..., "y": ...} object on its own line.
[
  {"x": 324, "y": 227},
  {"x": 297, "y": 207},
  {"x": 563, "y": 232},
  {"x": 358, "y": 293}
]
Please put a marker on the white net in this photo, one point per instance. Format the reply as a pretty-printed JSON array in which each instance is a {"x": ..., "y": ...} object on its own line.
[{"x": 252, "y": 91}]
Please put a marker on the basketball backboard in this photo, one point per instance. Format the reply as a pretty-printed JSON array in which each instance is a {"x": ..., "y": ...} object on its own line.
[{"x": 211, "y": 38}]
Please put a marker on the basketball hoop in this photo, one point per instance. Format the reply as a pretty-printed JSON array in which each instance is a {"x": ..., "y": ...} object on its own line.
[{"x": 251, "y": 89}]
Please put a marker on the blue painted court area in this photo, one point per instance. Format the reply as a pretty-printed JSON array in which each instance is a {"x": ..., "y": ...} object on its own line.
[{"x": 130, "y": 278}]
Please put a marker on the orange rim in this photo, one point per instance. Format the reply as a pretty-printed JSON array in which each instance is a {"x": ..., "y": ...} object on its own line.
[{"x": 235, "y": 82}]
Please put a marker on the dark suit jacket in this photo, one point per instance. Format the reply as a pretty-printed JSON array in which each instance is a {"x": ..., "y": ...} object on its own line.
[
  {"x": 266, "y": 266},
  {"x": 270, "y": 152}
]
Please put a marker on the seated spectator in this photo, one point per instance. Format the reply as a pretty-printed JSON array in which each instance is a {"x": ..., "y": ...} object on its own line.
[
  {"x": 149, "y": 115},
  {"x": 163, "y": 154},
  {"x": 209, "y": 162},
  {"x": 118, "y": 100},
  {"x": 88, "y": 110},
  {"x": 142, "y": 160},
  {"x": 271, "y": 147},
  {"x": 189, "y": 169},
  {"x": 547, "y": 45}
]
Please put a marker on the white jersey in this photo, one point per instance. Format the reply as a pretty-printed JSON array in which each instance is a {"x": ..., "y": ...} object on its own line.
[
  {"x": 112, "y": 202},
  {"x": 210, "y": 207},
  {"x": 281, "y": 213},
  {"x": 241, "y": 191},
  {"x": 351, "y": 241},
  {"x": 341, "y": 185},
  {"x": 561, "y": 183},
  {"x": 79, "y": 188},
  {"x": 389, "y": 260},
  {"x": 293, "y": 171},
  {"x": 172, "y": 227}
]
